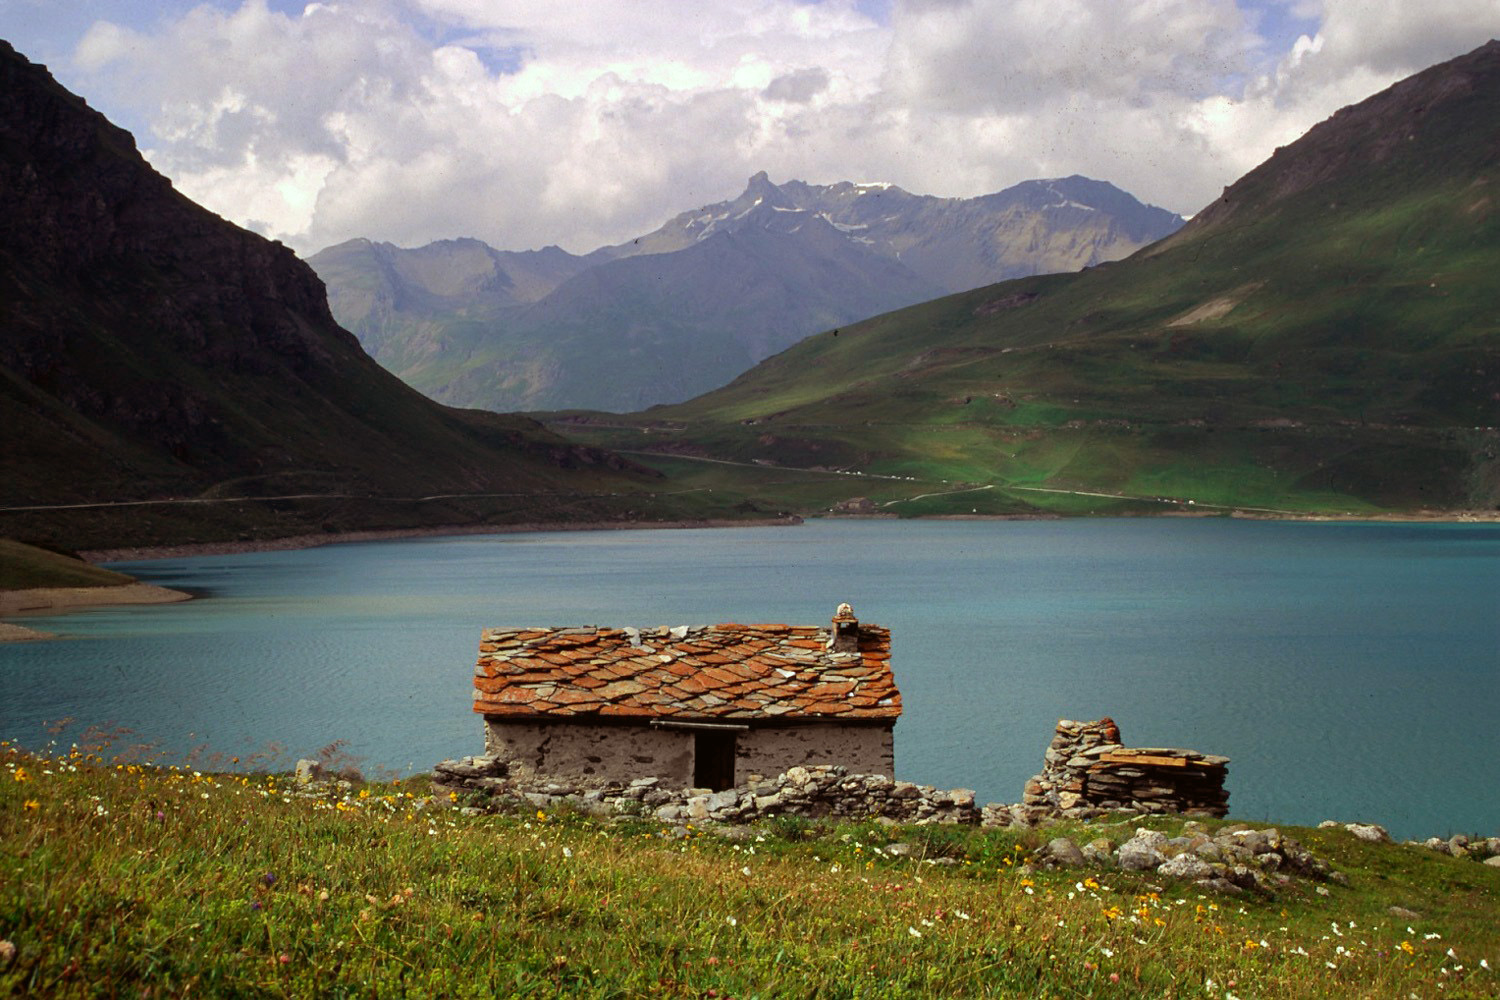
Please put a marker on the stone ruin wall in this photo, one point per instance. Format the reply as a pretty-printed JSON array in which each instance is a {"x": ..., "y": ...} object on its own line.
[
  {"x": 1087, "y": 771},
  {"x": 813, "y": 791}
]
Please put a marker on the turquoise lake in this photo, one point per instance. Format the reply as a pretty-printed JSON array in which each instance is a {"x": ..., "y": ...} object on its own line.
[{"x": 1351, "y": 671}]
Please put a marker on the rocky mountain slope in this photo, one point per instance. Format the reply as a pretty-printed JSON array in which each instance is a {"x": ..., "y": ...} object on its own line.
[
  {"x": 149, "y": 349},
  {"x": 683, "y": 309},
  {"x": 1324, "y": 337}
]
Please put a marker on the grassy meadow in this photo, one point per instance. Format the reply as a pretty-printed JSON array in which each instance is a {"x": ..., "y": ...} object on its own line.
[{"x": 137, "y": 879}]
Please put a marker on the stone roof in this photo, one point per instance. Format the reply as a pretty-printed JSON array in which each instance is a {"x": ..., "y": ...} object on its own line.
[{"x": 708, "y": 672}]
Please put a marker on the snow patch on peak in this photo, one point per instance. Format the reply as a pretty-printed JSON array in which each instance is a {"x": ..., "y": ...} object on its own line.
[
  {"x": 842, "y": 226},
  {"x": 753, "y": 205},
  {"x": 1063, "y": 200}
]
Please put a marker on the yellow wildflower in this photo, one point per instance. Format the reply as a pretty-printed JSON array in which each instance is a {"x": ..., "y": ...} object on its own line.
[
  {"x": 32, "y": 805},
  {"x": 21, "y": 775}
]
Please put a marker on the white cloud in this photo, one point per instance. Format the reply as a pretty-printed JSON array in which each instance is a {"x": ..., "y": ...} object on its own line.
[{"x": 541, "y": 121}]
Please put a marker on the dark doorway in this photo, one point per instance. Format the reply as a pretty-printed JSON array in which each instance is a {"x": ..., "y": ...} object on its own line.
[{"x": 713, "y": 760}]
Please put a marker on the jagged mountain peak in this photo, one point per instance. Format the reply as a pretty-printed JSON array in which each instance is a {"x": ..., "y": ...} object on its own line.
[{"x": 726, "y": 283}]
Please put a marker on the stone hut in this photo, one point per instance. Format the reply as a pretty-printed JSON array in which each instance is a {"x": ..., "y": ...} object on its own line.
[
  {"x": 1087, "y": 771},
  {"x": 704, "y": 706}
]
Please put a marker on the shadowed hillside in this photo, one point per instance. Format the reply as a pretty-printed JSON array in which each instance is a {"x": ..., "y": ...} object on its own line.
[{"x": 149, "y": 349}]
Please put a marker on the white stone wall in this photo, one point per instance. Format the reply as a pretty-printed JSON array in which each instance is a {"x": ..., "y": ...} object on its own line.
[
  {"x": 774, "y": 750},
  {"x": 596, "y": 754}
]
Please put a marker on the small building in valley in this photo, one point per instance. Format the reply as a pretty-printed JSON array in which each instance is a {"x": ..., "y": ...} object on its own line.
[{"x": 703, "y": 706}]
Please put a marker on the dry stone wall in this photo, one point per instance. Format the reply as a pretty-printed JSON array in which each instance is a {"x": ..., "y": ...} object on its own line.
[
  {"x": 1087, "y": 771},
  {"x": 816, "y": 791}
]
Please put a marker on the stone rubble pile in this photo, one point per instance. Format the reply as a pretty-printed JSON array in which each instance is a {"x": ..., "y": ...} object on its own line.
[
  {"x": 1483, "y": 849},
  {"x": 815, "y": 791},
  {"x": 1236, "y": 859},
  {"x": 1088, "y": 772},
  {"x": 311, "y": 780}
]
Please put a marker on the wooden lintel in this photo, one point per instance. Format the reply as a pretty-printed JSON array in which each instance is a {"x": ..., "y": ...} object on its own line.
[
  {"x": 1121, "y": 758},
  {"x": 735, "y": 727}
]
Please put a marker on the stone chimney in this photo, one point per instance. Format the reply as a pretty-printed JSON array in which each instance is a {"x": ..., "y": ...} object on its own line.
[{"x": 845, "y": 638}]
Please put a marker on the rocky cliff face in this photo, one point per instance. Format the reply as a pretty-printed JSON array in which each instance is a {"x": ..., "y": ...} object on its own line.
[
  {"x": 684, "y": 309},
  {"x": 84, "y": 217},
  {"x": 147, "y": 346}
]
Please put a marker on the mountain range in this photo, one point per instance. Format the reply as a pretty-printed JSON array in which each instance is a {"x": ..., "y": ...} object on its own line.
[
  {"x": 684, "y": 309},
  {"x": 151, "y": 351},
  {"x": 1323, "y": 337}
]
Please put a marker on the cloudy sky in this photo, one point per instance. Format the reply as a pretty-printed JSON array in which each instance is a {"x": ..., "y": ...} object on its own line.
[{"x": 585, "y": 122}]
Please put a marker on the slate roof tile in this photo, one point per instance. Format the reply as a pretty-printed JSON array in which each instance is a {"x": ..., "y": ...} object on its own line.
[{"x": 705, "y": 671}]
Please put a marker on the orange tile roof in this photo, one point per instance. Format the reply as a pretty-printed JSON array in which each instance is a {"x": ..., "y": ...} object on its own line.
[{"x": 712, "y": 672}]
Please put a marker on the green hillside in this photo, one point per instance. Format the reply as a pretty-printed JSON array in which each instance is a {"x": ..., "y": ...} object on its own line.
[
  {"x": 23, "y": 567},
  {"x": 1324, "y": 338}
]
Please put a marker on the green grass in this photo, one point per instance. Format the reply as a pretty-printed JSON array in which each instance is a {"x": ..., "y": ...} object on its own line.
[
  {"x": 23, "y": 567},
  {"x": 118, "y": 878}
]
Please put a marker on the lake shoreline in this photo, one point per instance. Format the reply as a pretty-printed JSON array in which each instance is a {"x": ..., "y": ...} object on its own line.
[
  {"x": 60, "y": 600},
  {"x": 292, "y": 542}
]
